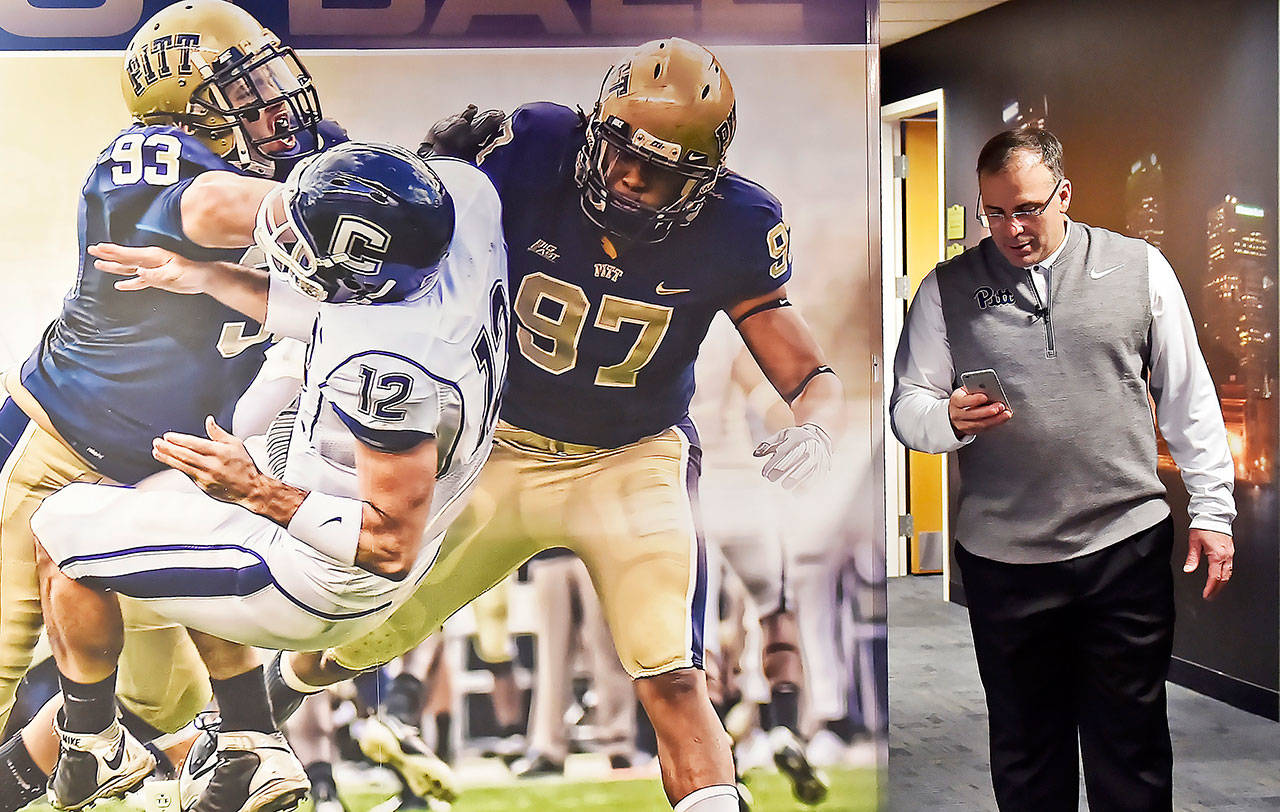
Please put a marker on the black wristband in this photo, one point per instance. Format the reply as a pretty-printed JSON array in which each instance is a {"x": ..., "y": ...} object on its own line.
[
  {"x": 760, "y": 308},
  {"x": 815, "y": 372}
]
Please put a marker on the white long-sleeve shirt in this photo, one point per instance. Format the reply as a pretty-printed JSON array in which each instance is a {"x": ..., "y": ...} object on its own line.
[{"x": 1187, "y": 408}]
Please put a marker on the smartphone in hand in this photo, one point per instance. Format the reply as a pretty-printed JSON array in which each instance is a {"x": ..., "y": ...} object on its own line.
[{"x": 985, "y": 381}]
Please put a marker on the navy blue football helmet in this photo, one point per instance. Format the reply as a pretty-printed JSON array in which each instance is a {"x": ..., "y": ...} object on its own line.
[{"x": 362, "y": 222}]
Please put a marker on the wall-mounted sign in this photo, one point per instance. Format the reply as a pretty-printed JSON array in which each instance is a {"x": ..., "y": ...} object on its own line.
[
  {"x": 955, "y": 222},
  {"x": 28, "y": 25}
]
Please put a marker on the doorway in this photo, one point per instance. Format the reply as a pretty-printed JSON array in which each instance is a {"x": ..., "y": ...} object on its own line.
[{"x": 913, "y": 240}]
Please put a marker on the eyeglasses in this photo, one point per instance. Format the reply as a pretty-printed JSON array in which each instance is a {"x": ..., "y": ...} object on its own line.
[{"x": 1022, "y": 217}]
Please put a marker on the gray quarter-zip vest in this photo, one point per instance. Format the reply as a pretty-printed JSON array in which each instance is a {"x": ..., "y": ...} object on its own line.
[{"x": 1075, "y": 469}]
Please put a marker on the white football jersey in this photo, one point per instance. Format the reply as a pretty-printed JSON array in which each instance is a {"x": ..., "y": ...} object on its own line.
[{"x": 433, "y": 365}]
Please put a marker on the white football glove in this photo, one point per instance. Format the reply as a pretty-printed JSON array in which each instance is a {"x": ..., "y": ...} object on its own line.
[{"x": 798, "y": 454}]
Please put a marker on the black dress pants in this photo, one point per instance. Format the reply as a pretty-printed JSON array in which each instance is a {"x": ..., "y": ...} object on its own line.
[{"x": 1075, "y": 654}]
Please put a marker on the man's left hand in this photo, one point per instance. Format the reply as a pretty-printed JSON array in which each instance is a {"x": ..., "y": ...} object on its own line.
[
  {"x": 799, "y": 453},
  {"x": 219, "y": 464},
  {"x": 1220, "y": 552}
]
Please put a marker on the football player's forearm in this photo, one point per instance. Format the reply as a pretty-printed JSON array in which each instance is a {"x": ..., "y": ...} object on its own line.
[
  {"x": 349, "y": 530},
  {"x": 821, "y": 403},
  {"x": 787, "y": 353},
  {"x": 392, "y": 525},
  {"x": 273, "y": 499},
  {"x": 239, "y": 287}
]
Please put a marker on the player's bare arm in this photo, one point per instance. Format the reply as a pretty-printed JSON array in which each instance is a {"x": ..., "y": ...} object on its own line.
[
  {"x": 395, "y": 492},
  {"x": 237, "y": 286},
  {"x": 219, "y": 208},
  {"x": 783, "y": 346}
]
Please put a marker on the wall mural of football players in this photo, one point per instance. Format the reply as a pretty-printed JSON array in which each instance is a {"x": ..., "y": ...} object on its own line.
[{"x": 802, "y": 132}]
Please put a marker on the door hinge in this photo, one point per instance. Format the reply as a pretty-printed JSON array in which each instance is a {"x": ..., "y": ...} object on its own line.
[
  {"x": 899, "y": 166},
  {"x": 906, "y": 525},
  {"x": 901, "y": 286}
]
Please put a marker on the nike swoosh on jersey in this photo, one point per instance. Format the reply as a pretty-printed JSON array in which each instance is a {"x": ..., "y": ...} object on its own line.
[
  {"x": 1095, "y": 274},
  {"x": 663, "y": 290},
  {"x": 337, "y": 519}
]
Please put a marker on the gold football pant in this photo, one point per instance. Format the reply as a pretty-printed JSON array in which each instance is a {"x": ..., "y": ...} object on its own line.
[
  {"x": 162, "y": 678},
  {"x": 493, "y": 629},
  {"x": 627, "y": 512}
]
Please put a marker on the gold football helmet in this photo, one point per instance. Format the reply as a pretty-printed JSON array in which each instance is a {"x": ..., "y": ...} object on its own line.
[
  {"x": 670, "y": 105},
  {"x": 210, "y": 67}
]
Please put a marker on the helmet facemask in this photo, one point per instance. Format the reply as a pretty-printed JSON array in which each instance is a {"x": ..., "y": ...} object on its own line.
[
  {"x": 239, "y": 89},
  {"x": 284, "y": 242},
  {"x": 691, "y": 176}
]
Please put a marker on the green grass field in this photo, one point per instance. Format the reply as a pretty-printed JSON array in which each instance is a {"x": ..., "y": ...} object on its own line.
[{"x": 851, "y": 791}]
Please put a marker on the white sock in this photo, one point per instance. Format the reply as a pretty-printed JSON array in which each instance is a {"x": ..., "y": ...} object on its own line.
[{"x": 715, "y": 798}]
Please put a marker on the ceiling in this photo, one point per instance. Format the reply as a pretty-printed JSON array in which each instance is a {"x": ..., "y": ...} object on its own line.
[{"x": 900, "y": 19}]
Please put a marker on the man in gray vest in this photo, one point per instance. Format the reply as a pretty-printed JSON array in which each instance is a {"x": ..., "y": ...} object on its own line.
[{"x": 1063, "y": 536}]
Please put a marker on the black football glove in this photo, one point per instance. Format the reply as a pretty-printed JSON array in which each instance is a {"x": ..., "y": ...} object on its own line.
[{"x": 462, "y": 135}]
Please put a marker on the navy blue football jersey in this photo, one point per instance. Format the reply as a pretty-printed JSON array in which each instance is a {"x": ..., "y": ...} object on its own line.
[
  {"x": 117, "y": 369},
  {"x": 606, "y": 334}
]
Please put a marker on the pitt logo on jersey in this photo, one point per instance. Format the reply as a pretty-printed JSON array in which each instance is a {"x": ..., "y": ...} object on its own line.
[
  {"x": 151, "y": 63},
  {"x": 607, "y": 271}
]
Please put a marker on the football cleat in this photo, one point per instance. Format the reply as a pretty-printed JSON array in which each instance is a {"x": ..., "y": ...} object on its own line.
[
  {"x": 536, "y": 765},
  {"x": 197, "y": 767},
  {"x": 392, "y": 743},
  {"x": 92, "y": 766},
  {"x": 252, "y": 772},
  {"x": 808, "y": 784}
]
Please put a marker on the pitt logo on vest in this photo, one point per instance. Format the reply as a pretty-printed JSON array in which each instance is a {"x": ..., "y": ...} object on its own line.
[{"x": 986, "y": 297}]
